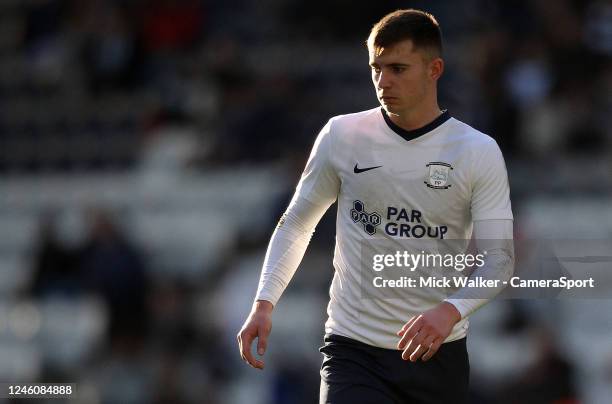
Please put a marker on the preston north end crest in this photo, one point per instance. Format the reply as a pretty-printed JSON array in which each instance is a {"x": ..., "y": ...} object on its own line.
[{"x": 439, "y": 173}]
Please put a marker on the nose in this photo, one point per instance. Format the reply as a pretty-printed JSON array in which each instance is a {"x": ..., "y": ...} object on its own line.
[{"x": 384, "y": 80}]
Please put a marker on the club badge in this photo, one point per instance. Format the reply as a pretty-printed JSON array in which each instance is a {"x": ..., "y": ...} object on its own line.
[{"x": 438, "y": 175}]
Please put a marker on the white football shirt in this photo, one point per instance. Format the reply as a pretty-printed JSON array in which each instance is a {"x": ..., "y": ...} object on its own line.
[{"x": 402, "y": 188}]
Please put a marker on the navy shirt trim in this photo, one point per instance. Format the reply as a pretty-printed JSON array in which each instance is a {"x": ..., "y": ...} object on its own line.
[{"x": 413, "y": 134}]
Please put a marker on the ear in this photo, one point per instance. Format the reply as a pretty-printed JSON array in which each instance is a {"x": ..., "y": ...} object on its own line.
[{"x": 436, "y": 68}]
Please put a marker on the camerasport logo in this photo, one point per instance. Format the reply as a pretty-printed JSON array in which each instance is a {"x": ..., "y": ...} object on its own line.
[{"x": 401, "y": 222}]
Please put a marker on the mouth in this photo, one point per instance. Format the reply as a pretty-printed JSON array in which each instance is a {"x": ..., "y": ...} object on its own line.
[{"x": 386, "y": 98}]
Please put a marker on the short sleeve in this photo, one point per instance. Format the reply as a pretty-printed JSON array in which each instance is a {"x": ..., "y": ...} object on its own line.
[
  {"x": 320, "y": 183},
  {"x": 490, "y": 190}
]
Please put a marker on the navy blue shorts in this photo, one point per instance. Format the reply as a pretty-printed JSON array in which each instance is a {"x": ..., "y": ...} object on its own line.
[{"x": 356, "y": 373}]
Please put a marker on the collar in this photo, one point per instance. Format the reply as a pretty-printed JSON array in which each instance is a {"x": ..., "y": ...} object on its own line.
[{"x": 412, "y": 134}]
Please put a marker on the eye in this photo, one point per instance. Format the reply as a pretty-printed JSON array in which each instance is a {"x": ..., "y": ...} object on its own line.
[
  {"x": 398, "y": 69},
  {"x": 375, "y": 69}
]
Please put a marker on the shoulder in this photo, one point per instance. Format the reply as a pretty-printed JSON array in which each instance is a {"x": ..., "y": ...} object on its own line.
[
  {"x": 485, "y": 157},
  {"x": 479, "y": 146},
  {"x": 348, "y": 130},
  {"x": 471, "y": 136},
  {"x": 356, "y": 119}
]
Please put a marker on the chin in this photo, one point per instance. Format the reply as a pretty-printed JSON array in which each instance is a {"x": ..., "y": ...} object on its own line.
[{"x": 391, "y": 109}]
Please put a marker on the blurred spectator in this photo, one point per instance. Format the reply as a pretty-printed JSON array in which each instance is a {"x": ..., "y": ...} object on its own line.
[
  {"x": 111, "y": 55},
  {"x": 169, "y": 25},
  {"x": 115, "y": 269},
  {"x": 55, "y": 264},
  {"x": 44, "y": 20},
  {"x": 44, "y": 43},
  {"x": 548, "y": 380},
  {"x": 126, "y": 373}
]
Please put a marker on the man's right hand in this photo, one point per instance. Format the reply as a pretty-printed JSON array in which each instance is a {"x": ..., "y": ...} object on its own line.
[{"x": 258, "y": 324}]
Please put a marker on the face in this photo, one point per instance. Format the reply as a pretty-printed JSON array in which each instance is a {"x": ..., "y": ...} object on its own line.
[{"x": 403, "y": 77}]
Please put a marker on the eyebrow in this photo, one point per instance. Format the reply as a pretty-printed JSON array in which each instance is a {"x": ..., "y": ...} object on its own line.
[{"x": 374, "y": 64}]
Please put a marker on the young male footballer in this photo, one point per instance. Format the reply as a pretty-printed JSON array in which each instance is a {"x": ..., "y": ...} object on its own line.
[{"x": 406, "y": 174}]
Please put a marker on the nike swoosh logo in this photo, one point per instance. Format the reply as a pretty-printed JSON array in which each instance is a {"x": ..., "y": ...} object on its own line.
[{"x": 358, "y": 170}]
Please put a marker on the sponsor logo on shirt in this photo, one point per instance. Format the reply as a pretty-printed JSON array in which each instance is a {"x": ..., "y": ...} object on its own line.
[
  {"x": 369, "y": 220},
  {"x": 401, "y": 222}
]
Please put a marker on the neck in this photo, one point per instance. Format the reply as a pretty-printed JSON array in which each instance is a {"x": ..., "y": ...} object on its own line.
[{"x": 417, "y": 117}]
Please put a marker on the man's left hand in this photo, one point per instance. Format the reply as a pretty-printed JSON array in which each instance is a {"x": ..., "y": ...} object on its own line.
[{"x": 422, "y": 335}]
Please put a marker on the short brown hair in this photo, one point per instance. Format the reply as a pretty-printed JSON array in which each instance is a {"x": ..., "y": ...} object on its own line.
[{"x": 418, "y": 26}]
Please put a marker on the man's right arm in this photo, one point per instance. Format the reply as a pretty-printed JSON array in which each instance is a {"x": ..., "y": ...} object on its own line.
[
  {"x": 285, "y": 252},
  {"x": 316, "y": 192}
]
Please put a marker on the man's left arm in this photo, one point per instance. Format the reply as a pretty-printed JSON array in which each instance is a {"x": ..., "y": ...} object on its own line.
[
  {"x": 422, "y": 335},
  {"x": 491, "y": 212}
]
